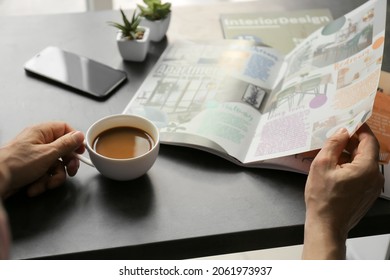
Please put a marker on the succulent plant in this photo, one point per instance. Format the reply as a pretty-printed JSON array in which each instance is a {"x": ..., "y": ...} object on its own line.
[
  {"x": 154, "y": 9},
  {"x": 129, "y": 29}
]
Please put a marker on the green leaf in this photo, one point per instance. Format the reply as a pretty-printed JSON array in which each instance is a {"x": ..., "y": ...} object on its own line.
[
  {"x": 150, "y": 2},
  {"x": 155, "y": 10},
  {"x": 128, "y": 28}
]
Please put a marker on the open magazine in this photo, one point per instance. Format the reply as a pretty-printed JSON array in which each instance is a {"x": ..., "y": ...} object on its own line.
[{"x": 257, "y": 107}]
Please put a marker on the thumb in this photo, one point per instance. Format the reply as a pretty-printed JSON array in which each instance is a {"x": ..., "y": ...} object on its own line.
[
  {"x": 68, "y": 143},
  {"x": 334, "y": 147}
]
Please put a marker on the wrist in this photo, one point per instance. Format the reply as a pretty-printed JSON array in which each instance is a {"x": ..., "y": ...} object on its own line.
[
  {"x": 323, "y": 241},
  {"x": 4, "y": 180}
]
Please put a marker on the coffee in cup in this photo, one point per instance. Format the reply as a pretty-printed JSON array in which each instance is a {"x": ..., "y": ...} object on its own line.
[
  {"x": 122, "y": 147},
  {"x": 123, "y": 142}
]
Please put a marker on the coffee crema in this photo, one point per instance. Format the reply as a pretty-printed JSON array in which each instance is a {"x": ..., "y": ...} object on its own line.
[{"x": 123, "y": 142}]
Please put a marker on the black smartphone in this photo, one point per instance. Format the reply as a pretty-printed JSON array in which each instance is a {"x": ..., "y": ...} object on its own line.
[{"x": 77, "y": 72}]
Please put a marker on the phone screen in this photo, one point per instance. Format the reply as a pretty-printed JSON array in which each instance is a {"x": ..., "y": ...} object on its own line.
[{"x": 75, "y": 71}]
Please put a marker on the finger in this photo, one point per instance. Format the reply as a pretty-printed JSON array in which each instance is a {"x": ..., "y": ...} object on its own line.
[
  {"x": 37, "y": 187},
  {"x": 57, "y": 176},
  {"x": 368, "y": 144},
  {"x": 352, "y": 145},
  {"x": 68, "y": 143},
  {"x": 54, "y": 178},
  {"x": 344, "y": 158},
  {"x": 81, "y": 149},
  {"x": 334, "y": 147},
  {"x": 72, "y": 166},
  {"x": 53, "y": 130}
]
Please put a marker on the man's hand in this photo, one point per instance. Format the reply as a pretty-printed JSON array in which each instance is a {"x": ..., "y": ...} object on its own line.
[
  {"x": 40, "y": 156},
  {"x": 343, "y": 183}
]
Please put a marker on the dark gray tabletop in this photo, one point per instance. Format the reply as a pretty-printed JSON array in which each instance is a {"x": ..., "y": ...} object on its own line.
[{"x": 190, "y": 203}]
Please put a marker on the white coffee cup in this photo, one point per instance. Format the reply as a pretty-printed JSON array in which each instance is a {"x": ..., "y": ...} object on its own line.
[{"x": 121, "y": 169}]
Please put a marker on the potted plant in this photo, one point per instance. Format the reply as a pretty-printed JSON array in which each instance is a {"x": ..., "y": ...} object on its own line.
[
  {"x": 132, "y": 39},
  {"x": 157, "y": 16}
]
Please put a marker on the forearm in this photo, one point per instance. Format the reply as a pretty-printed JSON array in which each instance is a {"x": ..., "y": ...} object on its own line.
[
  {"x": 4, "y": 231},
  {"x": 4, "y": 234},
  {"x": 323, "y": 243},
  {"x": 4, "y": 180}
]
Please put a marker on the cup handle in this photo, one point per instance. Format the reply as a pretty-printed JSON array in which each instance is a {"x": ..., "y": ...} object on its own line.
[{"x": 84, "y": 159}]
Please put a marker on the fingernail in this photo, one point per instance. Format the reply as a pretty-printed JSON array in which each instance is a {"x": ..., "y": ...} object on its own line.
[{"x": 342, "y": 131}]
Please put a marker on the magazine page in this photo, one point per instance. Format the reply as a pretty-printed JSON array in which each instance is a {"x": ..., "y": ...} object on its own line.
[
  {"x": 379, "y": 121},
  {"x": 209, "y": 95},
  {"x": 282, "y": 30},
  {"x": 330, "y": 82}
]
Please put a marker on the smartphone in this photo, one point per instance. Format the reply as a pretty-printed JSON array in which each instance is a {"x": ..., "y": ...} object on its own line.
[{"x": 76, "y": 72}]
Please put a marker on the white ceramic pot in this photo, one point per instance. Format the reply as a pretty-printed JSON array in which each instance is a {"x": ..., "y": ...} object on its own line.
[
  {"x": 158, "y": 28},
  {"x": 134, "y": 50}
]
